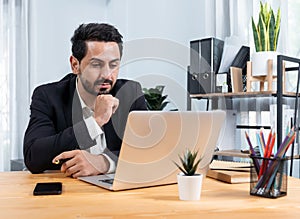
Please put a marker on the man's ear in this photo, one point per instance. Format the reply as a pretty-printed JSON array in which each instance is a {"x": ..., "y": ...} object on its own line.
[{"x": 74, "y": 65}]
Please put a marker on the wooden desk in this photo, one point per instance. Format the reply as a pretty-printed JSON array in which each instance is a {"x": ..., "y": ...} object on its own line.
[{"x": 82, "y": 200}]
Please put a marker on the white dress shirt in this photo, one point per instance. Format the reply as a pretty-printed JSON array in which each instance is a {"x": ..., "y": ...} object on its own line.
[{"x": 96, "y": 133}]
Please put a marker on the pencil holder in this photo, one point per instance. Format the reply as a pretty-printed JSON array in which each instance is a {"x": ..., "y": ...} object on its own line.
[{"x": 268, "y": 177}]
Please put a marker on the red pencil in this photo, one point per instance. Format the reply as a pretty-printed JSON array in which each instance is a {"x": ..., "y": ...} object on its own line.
[
  {"x": 266, "y": 152},
  {"x": 269, "y": 139},
  {"x": 271, "y": 145}
]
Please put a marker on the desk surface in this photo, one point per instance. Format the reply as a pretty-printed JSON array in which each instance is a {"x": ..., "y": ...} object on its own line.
[{"x": 82, "y": 200}]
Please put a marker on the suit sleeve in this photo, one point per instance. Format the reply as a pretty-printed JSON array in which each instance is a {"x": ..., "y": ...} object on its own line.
[
  {"x": 140, "y": 101},
  {"x": 47, "y": 134}
]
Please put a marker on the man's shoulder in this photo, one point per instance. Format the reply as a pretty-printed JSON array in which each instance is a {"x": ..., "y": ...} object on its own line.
[
  {"x": 64, "y": 82},
  {"x": 120, "y": 82},
  {"x": 128, "y": 89},
  {"x": 63, "y": 87}
]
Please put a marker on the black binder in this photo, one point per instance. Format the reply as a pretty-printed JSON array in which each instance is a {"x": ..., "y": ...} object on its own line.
[{"x": 205, "y": 59}]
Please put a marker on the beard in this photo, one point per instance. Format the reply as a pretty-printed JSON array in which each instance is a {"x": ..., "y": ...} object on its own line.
[{"x": 90, "y": 87}]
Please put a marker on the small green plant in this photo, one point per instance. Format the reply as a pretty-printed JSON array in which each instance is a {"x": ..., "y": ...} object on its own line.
[
  {"x": 267, "y": 30},
  {"x": 189, "y": 163},
  {"x": 154, "y": 98}
]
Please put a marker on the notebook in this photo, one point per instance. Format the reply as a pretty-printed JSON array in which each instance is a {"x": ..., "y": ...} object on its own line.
[
  {"x": 230, "y": 171},
  {"x": 152, "y": 142}
]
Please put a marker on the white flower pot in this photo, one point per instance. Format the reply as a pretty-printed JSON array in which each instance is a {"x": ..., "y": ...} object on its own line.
[
  {"x": 260, "y": 63},
  {"x": 189, "y": 187}
]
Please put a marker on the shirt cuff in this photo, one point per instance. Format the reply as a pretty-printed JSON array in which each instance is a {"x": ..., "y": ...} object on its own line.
[
  {"x": 112, "y": 165},
  {"x": 93, "y": 127}
]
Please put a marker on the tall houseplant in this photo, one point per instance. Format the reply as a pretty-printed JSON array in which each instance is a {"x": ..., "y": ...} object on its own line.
[
  {"x": 265, "y": 34},
  {"x": 266, "y": 31}
]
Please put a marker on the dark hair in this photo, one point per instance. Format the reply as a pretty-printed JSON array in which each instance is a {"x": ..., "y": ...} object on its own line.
[{"x": 94, "y": 32}]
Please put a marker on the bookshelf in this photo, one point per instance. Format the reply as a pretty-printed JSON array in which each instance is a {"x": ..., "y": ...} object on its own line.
[{"x": 280, "y": 94}]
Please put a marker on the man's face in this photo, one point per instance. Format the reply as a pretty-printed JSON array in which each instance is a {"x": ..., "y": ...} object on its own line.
[{"x": 99, "y": 69}]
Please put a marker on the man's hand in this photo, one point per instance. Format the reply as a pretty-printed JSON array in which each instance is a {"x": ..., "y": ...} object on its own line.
[
  {"x": 105, "y": 106},
  {"x": 82, "y": 163}
]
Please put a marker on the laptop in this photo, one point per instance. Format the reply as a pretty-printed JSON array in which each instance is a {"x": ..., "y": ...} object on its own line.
[{"x": 152, "y": 142}]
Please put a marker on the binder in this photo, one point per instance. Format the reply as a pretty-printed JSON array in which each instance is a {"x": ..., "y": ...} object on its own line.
[{"x": 205, "y": 59}]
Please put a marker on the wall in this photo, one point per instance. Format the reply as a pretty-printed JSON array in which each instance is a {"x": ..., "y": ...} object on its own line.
[
  {"x": 52, "y": 23},
  {"x": 156, "y": 37},
  {"x": 157, "y": 40}
]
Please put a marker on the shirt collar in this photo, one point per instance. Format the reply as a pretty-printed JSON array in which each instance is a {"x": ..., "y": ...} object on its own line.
[{"x": 82, "y": 103}]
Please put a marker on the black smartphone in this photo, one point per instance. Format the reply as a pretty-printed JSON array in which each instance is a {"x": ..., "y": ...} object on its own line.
[{"x": 49, "y": 188}]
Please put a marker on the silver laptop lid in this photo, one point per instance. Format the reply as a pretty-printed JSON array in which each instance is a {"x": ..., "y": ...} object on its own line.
[{"x": 154, "y": 139}]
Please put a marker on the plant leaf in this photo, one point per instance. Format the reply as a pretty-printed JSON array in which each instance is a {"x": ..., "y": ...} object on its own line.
[
  {"x": 180, "y": 168},
  {"x": 256, "y": 37},
  {"x": 262, "y": 33},
  {"x": 189, "y": 163},
  {"x": 271, "y": 31},
  {"x": 266, "y": 32},
  {"x": 160, "y": 88},
  {"x": 163, "y": 105},
  {"x": 277, "y": 29}
]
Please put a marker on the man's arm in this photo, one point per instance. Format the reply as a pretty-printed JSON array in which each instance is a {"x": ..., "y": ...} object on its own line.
[{"x": 49, "y": 134}]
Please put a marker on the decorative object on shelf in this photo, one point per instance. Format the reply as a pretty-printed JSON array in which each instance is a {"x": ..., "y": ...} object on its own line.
[
  {"x": 265, "y": 34},
  {"x": 155, "y": 99},
  {"x": 240, "y": 61},
  {"x": 269, "y": 78},
  {"x": 189, "y": 182},
  {"x": 236, "y": 76}
]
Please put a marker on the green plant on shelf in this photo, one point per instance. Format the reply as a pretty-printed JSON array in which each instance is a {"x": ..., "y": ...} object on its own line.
[{"x": 266, "y": 31}]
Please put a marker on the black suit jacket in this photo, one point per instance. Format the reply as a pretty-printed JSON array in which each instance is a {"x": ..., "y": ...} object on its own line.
[{"x": 56, "y": 123}]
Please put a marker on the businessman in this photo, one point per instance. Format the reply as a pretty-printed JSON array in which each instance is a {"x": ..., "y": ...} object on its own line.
[{"x": 77, "y": 124}]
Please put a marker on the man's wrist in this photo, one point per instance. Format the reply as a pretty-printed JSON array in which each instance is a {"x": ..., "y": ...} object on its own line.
[
  {"x": 106, "y": 163},
  {"x": 111, "y": 164}
]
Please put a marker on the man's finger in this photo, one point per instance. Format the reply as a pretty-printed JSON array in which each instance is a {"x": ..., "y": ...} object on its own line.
[
  {"x": 63, "y": 157},
  {"x": 115, "y": 106}
]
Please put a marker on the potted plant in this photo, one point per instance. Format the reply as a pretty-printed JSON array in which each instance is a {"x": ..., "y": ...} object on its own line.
[
  {"x": 189, "y": 182},
  {"x": 265, "y": 34},
  {"x": 155, "y": 99}
]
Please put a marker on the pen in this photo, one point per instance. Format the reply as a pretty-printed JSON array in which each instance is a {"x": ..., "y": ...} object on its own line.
[{"x": 61, "y": 161}]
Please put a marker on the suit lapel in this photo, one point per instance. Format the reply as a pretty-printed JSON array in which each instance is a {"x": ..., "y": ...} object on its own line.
[{"x": 72, "y": 104}]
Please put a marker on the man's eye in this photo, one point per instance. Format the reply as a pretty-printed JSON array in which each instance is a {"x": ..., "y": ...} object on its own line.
[
  {"x": 96, "y": 65},
  {"x": 114, "y": 65}
]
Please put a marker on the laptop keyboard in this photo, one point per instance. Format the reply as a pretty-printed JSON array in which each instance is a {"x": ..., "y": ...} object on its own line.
[{"x": 108, "y": 181}]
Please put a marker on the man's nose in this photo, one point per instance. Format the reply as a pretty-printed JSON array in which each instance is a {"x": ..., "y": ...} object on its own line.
[{"x": 106, "y": 72}]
